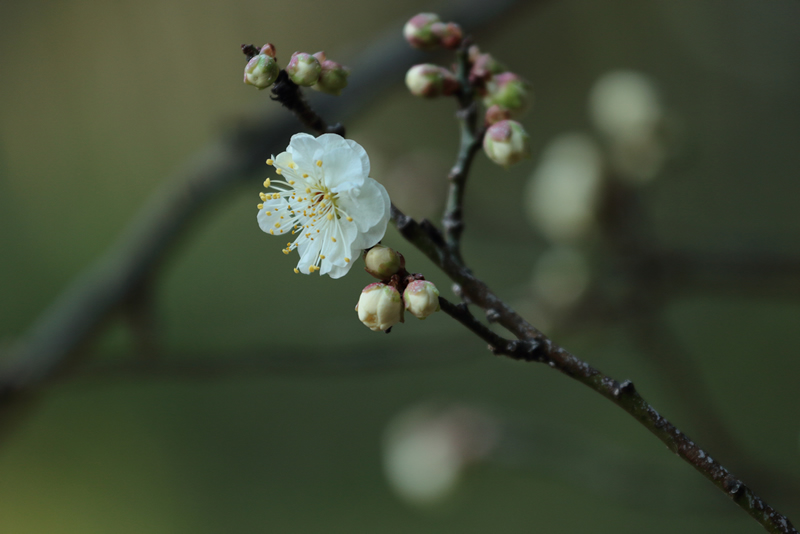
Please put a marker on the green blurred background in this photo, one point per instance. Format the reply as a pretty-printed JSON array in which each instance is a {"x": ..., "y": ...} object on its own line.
[{"x": 100, "y": 101}]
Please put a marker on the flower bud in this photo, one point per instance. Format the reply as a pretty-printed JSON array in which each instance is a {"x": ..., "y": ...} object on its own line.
[
  {"x": 418, "y": 32},
  {"x": 421, "y": 298},
  {"x": 332, "y": 77},
  {"x": 484, "y": 66},
  {"x": 449, "y": 35},
  {"x": 303, "y": 69},
  {"x": 508, "y": 91},
  {"x": 506, "y": 143},
  {"x": 496, "y": 114},
  {"x": 430, "y": 81},
  {"x": 261, "y": 71},
  {"x": 380, "y": 307},
  {"x": 382, "y": 262},
  {"x": 268, "y": 50}
]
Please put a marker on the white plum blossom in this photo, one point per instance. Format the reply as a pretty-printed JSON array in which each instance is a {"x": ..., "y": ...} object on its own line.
[{"x": 325, "y": 202}]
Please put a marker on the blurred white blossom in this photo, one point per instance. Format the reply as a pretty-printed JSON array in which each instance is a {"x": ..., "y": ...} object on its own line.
[
  {"x": 563, "y": 191},
  {"x": 426, "y": 448},
  {"x": 626, "y": 109}
]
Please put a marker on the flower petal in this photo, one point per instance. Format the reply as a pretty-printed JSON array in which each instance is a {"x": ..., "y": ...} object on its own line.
[
  {"x": 367, "y": 205},
  {"x": 331, "y": 141},
  {"x": 305, "y": 150},
  {"x": 362, "y": 154},
  {"x": 342, "y": 166}
]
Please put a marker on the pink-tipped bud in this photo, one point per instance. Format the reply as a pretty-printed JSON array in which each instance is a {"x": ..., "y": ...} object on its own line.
[
  {"x": 506, "y": 143},
  {"x": 380, "y": 307},
  {"x": 421, "y": 298},
  {"x": 332, "y": 77},
  {"x": 449, "y": 35},
  {"x": 382, "y": 262},
  {"x": 508, "y": 91},
  {"x": 303, "y": 69},
  {"x": 431, "y": 81},
  {"x": 268, "y": 50},
  {"x": 418, "y": 32},
  {"x": 496, "y": 114},
  {"x": 484, "y": 66},
  {"x": 261, "y": 71}
]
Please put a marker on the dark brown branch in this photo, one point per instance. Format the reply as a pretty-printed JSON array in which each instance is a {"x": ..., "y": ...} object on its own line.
[
  {"x": 290, "y": 96},
  {"x": 622, "y": 394},
  {"x": 516, "y": 349},
  {"x": 471, "y": 139}
]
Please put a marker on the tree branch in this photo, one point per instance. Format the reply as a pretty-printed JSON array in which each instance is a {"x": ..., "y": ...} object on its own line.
[
  {"x": 471, "y": 138},
  {"x": 541, "y": 349}
]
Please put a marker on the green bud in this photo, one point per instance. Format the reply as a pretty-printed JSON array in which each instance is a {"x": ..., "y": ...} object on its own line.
[
  {"x": 382, "y": 262},
  {"x": 304, "y": 69},
  {"x": 261, "y": 71}
]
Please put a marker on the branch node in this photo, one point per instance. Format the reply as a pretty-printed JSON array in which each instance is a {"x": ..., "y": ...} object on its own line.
[
  {"x": 492, "y": 315},
  {"x": 625, "y": 387}
]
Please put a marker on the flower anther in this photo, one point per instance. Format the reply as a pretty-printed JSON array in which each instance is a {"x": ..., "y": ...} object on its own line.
[{"x": 324, "y": 199}]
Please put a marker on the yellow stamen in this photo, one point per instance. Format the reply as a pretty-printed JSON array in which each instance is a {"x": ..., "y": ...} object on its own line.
[
  {"x": 278, "y": 171},
  {"x": 296, "y": 271},
  {"x": 269, "y": 213},
  {"x": 267, "y": 182},
  {"x": 349, "y": 219},
  {"x": 319, "y": 163},
  {"x": 333, "y": 239},
  {"x": 277, "y": 225},
  {"x": 269, "y": 162},
  {"x": 330, "y": 216},
  {"x": 347, "y": 260},
  {"x": 291, "y": 165},
  {"x": 321, "y": 257},
  {"x": 271, "y": 232},
  {"x": 276, "y": 196},
  {"x": 291, "y": 182},
  {"x": 308, "y": 189},
  {"x": 305, "y": 175}
]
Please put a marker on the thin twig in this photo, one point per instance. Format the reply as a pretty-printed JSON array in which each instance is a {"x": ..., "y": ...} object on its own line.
[
  {"x": 291, "y": 97},
  {"x": 471, "y": 137}
]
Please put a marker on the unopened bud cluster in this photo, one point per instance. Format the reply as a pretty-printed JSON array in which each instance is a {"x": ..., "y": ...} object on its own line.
[
  {"x": 381, "y": 304},
  {"x": 505, "y": 94},
  {"x": 431, "y": 81},
  {"x": 427, "y": 32},
  {"x": 306, "y": 70}
]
